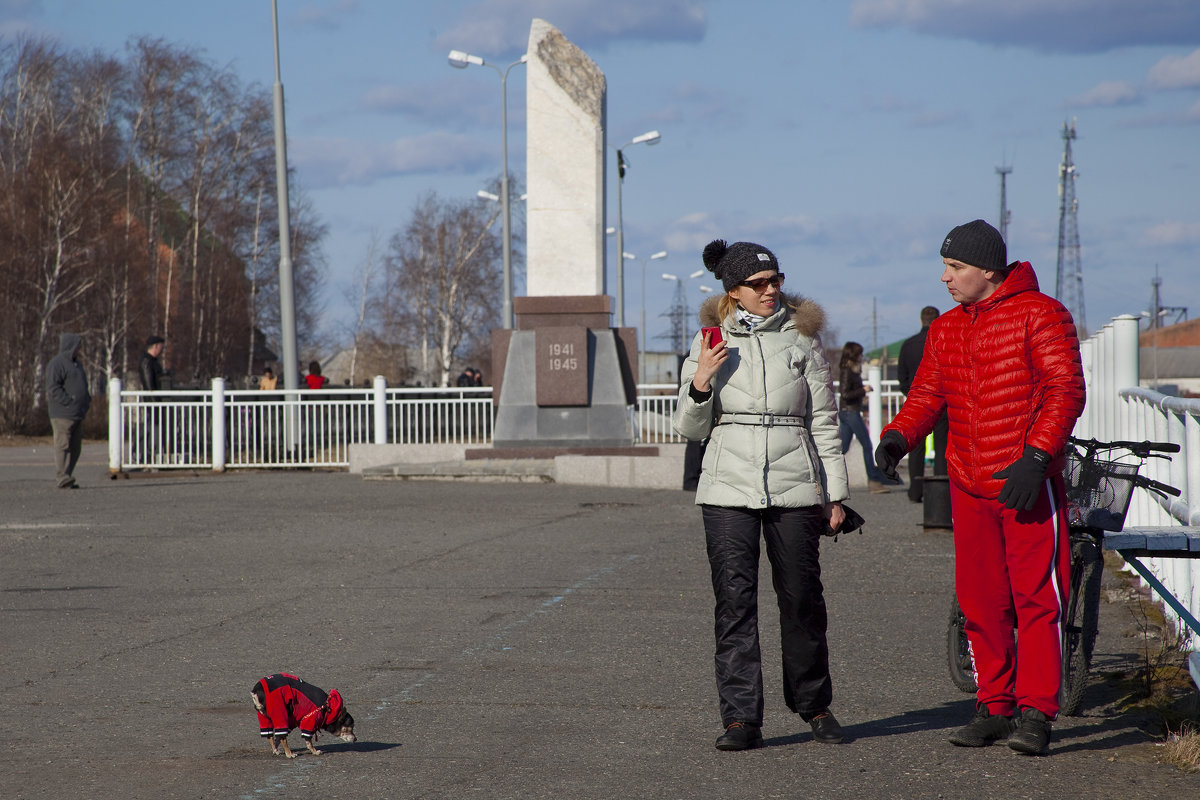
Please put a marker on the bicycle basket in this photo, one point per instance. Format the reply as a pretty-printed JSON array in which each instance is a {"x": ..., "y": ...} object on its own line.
[{"x": 1098, "y": 492}]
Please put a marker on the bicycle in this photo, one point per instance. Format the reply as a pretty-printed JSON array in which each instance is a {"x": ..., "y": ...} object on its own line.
[{"x": 1098, "y": 494}]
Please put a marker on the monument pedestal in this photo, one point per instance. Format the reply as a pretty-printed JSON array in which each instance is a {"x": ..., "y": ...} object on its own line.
[{"x": 563, "y": 377}]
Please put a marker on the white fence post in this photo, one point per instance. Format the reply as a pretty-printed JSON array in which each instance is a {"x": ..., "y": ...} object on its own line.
[
  {"x": 379, "y": 404},
  {"x": 218, "y": 424},
  {"x": 1125, "y": 367},
  {"x": 875, "y": 403},
  {"x": 115, "y": 435}
]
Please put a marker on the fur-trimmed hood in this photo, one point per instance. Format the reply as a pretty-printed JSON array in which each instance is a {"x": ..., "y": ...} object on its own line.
[{"x": 807, "y": 315}]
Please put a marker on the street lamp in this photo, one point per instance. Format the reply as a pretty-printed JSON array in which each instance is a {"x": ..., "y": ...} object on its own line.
[
  {"x": 650, "y": 137},
  {"x": 642, "y": 336},
  {"x": 460, "y": 60}
]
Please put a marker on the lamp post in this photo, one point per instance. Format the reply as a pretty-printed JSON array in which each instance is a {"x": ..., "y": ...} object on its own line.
[
  {"x": 642, "y": 337},
  {"x": 650, "y": 137},
  {"x": 460, "y": 60}
]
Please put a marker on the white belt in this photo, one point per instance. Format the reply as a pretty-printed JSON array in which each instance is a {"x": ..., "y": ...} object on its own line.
[{"x": 767, "y": 420}]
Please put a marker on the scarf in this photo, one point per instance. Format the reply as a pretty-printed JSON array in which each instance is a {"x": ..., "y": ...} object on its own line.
[{"x": 751, "y": 321}]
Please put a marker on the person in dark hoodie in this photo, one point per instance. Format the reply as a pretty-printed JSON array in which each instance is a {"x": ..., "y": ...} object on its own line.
[{"x": 68, "y": 399}]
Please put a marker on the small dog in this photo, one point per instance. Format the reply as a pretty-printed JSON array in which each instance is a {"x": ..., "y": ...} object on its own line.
[{"x": 284, "y": 702}]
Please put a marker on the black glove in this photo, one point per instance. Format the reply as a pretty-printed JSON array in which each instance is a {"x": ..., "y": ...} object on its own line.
[
  {"x": 892, "y": 448},
  {"x": 1023, "y": 479}
]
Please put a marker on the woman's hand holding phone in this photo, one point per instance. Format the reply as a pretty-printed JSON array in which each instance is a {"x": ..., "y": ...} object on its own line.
[{"x": 713, "y": 354}]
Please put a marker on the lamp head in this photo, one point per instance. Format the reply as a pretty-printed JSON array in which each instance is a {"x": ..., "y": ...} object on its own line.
[
  {"x": 461, "y": 60},
  {"x": 658, "y": 255},
  {"x": 650, "y": 137}
]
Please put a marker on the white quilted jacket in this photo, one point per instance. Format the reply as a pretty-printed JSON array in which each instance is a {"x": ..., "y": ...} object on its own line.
[{"x": 779, "y": 368}]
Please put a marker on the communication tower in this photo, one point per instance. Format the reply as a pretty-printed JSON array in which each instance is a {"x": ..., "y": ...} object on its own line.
[
  {"x": 1069, "y": 285},
  {"x": 677, "y": 314},
  {"x": 1005, "y": 214},
  {"x": 1157, "y": 310}
]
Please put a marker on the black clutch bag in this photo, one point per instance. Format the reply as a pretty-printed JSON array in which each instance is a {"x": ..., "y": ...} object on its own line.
[{"x": 853, "y": 522}]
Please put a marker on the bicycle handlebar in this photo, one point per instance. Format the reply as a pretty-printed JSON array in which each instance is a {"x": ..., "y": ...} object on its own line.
[
  {"x": 1142, "y": 449},
  {"x": 1161, "y": 488}
]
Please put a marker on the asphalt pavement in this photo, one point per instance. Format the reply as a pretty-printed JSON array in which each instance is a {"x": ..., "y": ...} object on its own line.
[{"x": 492, "y": 640}]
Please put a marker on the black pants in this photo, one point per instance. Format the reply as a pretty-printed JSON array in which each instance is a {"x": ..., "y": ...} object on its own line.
[
  {"x": 916, "y": 459},
  {"x": 793, "y": 537}
]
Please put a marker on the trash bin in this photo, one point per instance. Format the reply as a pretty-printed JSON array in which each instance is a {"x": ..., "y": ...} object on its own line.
[{"x": 935, "y": 490}]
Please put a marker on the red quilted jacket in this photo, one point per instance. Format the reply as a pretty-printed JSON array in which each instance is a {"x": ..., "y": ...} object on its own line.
[{"x": 1007, "y": 371}]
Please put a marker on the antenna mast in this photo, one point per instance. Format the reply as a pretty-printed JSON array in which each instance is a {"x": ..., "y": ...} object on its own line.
[
  {"x": 1005, "y": 214},
  {"x": 1069, "y": 285}
]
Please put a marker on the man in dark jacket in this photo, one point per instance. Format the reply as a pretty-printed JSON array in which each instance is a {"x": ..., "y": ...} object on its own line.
[
  {"x": 910, "y": 359},
  {"x": 68, "y": 399},
  {"x": 149, "y": 368},
  {"x": 1004, "y": 366}
]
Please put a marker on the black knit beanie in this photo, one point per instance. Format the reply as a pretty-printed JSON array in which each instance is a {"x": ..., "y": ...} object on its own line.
[
  {"x": 978, "y": 244},
  {"x": 734, "y": 263}
]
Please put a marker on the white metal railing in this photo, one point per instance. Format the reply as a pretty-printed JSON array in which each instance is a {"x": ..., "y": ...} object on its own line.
[
  {"x": 1117, "y": 409},
  {"x": 248, "y": 428},
  {"x": 446, "y": 416},
  {"x": 218, "y": 429}
]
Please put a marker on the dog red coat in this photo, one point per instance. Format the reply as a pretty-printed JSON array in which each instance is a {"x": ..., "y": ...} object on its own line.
[{"x": 290, "y": 703}]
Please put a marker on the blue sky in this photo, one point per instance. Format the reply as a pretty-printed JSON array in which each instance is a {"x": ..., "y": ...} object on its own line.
[{"x": 848, "y": 137}]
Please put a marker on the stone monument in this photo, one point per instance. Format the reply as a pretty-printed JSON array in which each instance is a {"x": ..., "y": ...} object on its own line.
[{"x": 564, "y": 377}]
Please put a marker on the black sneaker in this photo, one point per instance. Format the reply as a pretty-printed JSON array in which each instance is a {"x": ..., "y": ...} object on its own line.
[
  {"x": 1032, "y": 735},
  {"x": 826, "y": 729},
  {"x": 740, "y": 736},
  {"x": 982, "y": 730}
]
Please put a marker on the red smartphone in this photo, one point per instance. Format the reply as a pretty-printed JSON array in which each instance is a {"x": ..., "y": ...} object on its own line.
[{"x": 714, "y": 335}]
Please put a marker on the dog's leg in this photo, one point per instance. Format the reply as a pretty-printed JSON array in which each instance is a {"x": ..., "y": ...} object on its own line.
[
  {"x": 271, "y": 742},
  {"x": 312, "y": 749},
  {"x": 287, "y": 750}
]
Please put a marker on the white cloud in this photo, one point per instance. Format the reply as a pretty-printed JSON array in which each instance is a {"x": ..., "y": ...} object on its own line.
[
  {"x": 345, "y": 162},
  {"x": 1173, "y": 234},
  {"x": 325, "y": 15},
  {"x": 502, "y": 26},
  {"x": 1047, "y": 25},
  {"x": 1107, "y": 95},
  {"x": 1174, "y": 72}
]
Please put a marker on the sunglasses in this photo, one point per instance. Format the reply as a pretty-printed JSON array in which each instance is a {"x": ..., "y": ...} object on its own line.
[{"x": 760, "y": 285}]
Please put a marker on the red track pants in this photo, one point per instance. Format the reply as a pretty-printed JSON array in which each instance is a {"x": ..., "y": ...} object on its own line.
[{"x": 1011, "y": 570}]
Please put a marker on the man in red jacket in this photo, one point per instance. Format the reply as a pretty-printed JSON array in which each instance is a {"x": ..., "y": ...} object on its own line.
[{"x": 1004, "y": 366}]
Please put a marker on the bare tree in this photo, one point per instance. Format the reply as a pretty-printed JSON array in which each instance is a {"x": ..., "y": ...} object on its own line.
[
  {"x": 136, "y": 197},
  {"x": 366, "y": 279},
  {"x": 445, "y": 265}
]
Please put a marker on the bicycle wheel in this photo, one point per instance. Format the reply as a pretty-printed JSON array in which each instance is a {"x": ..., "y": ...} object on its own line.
[
  {"x": 1083, "y": 620},
  {"x": 958, "y": 652}
]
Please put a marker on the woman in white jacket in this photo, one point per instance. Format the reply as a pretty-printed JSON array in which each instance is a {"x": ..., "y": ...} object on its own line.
[{"x": 773, "y": 468}]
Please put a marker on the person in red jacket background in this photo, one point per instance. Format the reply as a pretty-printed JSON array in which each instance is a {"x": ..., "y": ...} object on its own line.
[{"x": 1004, "y": 366}]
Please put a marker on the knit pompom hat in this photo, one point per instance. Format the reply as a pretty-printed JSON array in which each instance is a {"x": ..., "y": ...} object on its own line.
[
  {"x": 734, "y": 263},
  {"x": 978, "y": 244}
]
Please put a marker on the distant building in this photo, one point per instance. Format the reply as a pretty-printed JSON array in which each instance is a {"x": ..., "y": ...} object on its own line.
[{"x": 1169, "y": 359}]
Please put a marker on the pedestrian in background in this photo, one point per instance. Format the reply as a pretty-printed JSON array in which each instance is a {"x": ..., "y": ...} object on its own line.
[
  {"x": 267, "y": 381},
  {"x": 906, "y": 370},
  {"x": 68, "y": 400},
  {"x": 150, "y": 370},
  {"x": 851, "y": 425},
  {"x": 773, "y": 470},
  {"x": 1005, "y": 367},
  {"x": 314, "y": 379}
]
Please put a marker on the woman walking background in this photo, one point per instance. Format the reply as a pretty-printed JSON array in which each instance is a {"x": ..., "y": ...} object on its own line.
[
  {"x": 774, "y": 469},
  {"x": 850, "y": 419}
]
